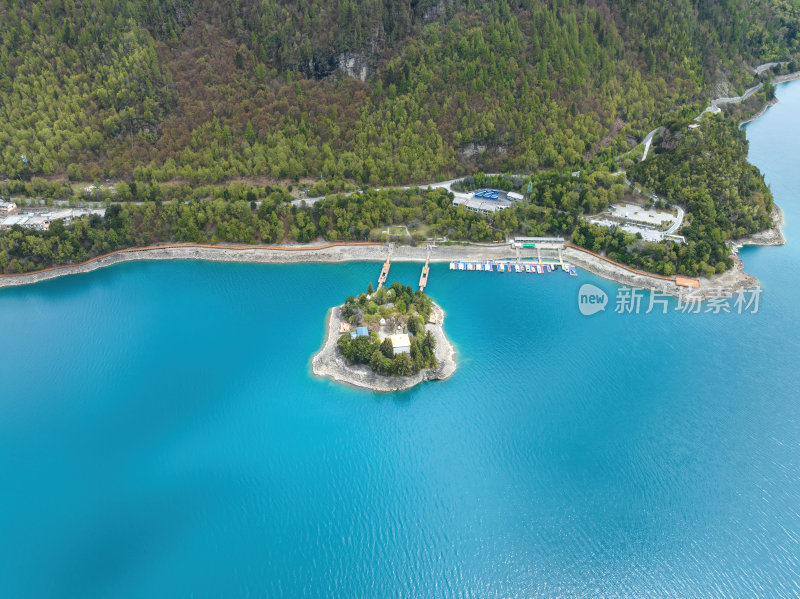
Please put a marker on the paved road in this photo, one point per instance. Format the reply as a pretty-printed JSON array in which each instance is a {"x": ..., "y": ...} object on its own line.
[
  {"x": 767, "y": 65},
  {"x": 647, "y": 141},
  {"x": 737, "y": 99},
  {"x": 448, "y": 185},
  {"x": 311, "y": 201},
  {"x": 677, "y": 224}
]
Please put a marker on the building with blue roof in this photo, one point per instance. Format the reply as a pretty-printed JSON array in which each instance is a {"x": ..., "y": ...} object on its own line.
[
  {"x": 360, "y": 332},
  {"x": 487, "y": 201}
]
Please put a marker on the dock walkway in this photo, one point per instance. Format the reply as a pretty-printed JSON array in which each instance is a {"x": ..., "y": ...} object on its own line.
[
  {"x": 423, "y": 279},
  {"x": 385, "y": 270}
]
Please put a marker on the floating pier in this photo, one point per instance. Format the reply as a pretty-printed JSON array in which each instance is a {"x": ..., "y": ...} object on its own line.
[{"x": 537, "y": 268}]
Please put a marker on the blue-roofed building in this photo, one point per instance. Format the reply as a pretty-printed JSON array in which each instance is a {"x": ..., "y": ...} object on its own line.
[
  {"x": 359, "y": 332},
  {"x": 487, "y": 201}
]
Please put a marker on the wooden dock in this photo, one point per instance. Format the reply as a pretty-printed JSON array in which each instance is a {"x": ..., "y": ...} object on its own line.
[
  {"x": 385, "y": 270},
  {"x": 423, "y": 279}
]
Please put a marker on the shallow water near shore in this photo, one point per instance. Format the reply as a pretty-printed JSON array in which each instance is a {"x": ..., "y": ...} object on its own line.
[{"x": 161, "y": 435}]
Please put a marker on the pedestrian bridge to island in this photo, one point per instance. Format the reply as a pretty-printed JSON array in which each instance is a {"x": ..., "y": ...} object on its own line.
[
  {"x": 423, "y": 279},
  {"x": 385, "y": 269}
]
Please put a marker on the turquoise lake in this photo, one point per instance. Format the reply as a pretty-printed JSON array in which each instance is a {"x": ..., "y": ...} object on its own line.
[{"x": 161, "y": 435}]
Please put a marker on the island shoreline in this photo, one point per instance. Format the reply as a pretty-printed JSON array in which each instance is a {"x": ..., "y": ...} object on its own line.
[{"x": 329, "y": 363}]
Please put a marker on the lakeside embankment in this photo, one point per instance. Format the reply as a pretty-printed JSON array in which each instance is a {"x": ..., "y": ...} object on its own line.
[
  {"x": 328, "y": 253},
  {"x": 342, "y": 252},
  {"x": 330, "y": 363},
  {"x": 732, "y": 280}
]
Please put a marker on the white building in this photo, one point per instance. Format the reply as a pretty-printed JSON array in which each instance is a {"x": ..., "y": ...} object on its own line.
[
  {"x": 401, "y": 343},
  {"x": 40, "y": 222},
  {"x": 10, "y": 221}
]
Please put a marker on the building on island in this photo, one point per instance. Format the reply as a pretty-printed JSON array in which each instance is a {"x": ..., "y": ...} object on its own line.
[
  {"x": 487, "y": 201},
  {"x": 400, "y": 343},
  {"x": 360, "y": 332}
]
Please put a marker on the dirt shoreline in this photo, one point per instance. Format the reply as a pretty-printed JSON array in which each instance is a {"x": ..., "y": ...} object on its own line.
[
  {"x": 736, "y": 279},
  {"x": 760, "y": 113},
  {"x": 330, "y": 363},
  {"x": 332, "y": 253},
  {"x": 336, "y": 253},
  {"x": 772, "y": 236},
  {"x": 786, "y": 78}
]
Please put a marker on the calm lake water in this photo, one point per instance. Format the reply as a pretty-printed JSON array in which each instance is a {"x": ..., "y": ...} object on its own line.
[{"x": 161, "y": 435}]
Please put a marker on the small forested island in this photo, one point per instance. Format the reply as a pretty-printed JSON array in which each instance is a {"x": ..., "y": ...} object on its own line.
[{"x": 387, "y": 339}]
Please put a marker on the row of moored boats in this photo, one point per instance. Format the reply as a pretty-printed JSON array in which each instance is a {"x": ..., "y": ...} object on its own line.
[{"x": 528, "y": 267}]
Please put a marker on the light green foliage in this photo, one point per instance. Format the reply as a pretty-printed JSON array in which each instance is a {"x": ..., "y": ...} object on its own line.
[
  {"x": 380, "y": 355},
  {"x": 707, "y": 171},
  {"x": 171, "y": 98},
  {"x": 157, "y": 90}
]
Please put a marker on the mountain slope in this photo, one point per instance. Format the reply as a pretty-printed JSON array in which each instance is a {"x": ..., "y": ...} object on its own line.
[{"x": 211, "y": 90}]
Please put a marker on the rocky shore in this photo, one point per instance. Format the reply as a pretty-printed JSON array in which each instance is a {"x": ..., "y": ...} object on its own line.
[
  {"x": 618, "y": 274},
  {"x": 772, "y": 236},
  {"x": 760, "y": 113},
  {"x": 330, "y": 363},
  {"x": 289, "y": 254},
  {"x": 365, "y": 253},
  {"x": 736, "y": 279},
  {"x": 244, "y": 253},
  {"x": 786, "y": 78}
]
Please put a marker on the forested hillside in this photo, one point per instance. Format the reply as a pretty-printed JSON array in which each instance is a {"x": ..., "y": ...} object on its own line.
[{"x": 374, "y": 91}]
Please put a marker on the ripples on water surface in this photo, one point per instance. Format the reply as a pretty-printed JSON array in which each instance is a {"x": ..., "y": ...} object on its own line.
[{"x": 161, "y": 436}]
